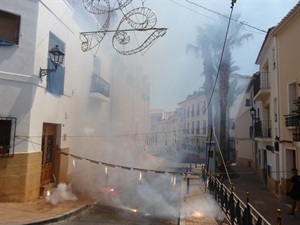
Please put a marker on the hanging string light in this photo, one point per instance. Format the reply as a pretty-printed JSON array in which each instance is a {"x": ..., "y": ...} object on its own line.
[{"x": 75, "y": 157}]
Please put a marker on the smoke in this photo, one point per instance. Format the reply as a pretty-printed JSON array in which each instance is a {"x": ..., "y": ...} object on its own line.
[
  {"x": 60, "y": 193},
  {"x": 203, "y": 206},
  {"x": 125, "y": 173}
]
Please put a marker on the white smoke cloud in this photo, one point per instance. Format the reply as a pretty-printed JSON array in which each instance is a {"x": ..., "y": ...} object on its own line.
[{"x": 60, "y": 193}]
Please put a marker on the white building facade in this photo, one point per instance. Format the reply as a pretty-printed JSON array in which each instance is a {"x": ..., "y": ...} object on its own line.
[
  {"x": 274, "y": 95},
  {"x": 68, "y": 111}
]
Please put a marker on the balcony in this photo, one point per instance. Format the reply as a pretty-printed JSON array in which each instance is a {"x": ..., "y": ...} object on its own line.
[
  {"x": 261, "y": 129},
  {"x": 296, "y": 136},
  {"x": 99, "y": 88},
  {"x": 292, "y": 121},
  {"x": 261, "y": 86}
]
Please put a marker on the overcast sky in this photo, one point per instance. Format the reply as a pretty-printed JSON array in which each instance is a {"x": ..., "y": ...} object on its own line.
[{"x": 172, "y": 72}]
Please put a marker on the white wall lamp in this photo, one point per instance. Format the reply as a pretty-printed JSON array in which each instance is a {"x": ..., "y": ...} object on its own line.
[{"x": 56, "y": 57}]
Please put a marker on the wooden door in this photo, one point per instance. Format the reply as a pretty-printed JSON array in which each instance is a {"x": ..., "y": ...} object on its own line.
[{"x": 48, "y": 153}]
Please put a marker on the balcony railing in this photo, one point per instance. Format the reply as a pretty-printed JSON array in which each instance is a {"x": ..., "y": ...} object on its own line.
[
  {"x": 292, "y": 121},
  {"x": 261, "y": 83},
  {"x": 251, "y": 132},
  {"x": 296, "y": 136},
  {"x": 262, "y": 129},
  {"x": 99, "y": 85}
]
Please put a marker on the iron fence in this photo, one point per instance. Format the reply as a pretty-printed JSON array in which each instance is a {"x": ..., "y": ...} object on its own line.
[{"x": 237, "y": 211}]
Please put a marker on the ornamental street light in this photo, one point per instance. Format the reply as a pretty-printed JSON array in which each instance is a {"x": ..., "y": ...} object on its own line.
[{"x": 56, "y": 57}]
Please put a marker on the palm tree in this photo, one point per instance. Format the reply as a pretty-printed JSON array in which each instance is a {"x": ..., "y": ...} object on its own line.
[
  {"x": 209, "y": 43},
  {"x": 203, "y": 46}
]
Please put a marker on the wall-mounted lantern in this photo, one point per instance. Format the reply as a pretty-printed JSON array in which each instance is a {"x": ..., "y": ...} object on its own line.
[
  {"x": 56, "y": 57},
  {"x": 253, "y": 113},
  {"x": 255, "y": 119}
]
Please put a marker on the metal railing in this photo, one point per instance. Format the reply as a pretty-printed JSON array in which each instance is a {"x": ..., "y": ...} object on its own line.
[
  {"x": 237, "y": 212},
  {"x": 99, "y": 85},
  {"x": 261, "y": 82},
  {"x": 292, "y": 120},
  {"x": 262, "y": 128},
  {"x": 296, "y": 137}
]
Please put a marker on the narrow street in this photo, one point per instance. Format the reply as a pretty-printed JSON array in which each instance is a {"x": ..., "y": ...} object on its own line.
[
  {"x": 154, "y": 199},
  {"x": 105, "y": 215}
]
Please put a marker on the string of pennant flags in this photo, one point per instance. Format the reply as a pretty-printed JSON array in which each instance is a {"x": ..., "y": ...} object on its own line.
[{"x": 174, "y": 173}]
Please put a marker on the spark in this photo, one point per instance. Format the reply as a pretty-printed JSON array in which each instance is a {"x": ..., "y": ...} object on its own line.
[{"x": 197, "y": 214}]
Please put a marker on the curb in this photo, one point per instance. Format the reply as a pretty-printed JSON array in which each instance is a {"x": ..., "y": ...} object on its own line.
[{"x": 61, "y": 217}]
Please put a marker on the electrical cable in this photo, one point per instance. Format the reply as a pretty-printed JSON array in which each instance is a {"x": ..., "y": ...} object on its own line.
[
  {"x": 245, "y": 24},
  {"x": 225, "y": 166}
]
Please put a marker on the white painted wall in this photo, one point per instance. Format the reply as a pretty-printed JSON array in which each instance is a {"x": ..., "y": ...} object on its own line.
[
  {"x": 243, "y": 141},
  {"x": 83, "y": 118}
]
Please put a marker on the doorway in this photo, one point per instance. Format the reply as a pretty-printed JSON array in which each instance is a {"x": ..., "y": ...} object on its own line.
[
  {"x": 49, "y": 149},
  {"x": 290, "y": 156},
  {"x": 265, "y": 167}
]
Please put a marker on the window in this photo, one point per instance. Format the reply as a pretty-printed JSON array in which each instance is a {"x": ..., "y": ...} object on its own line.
[
  {"x": 9, "y": 28},
  {"x": 188, "y": 112},
  {"x": 248, "y": 102},
  {"x": 198, "y": 127},
  {"x": 204, "y": 127},
  {"x": 198, "y": 108},
  {"x": 204, "y": 107},
  {"x": 7, "y": 135},
  {"x": 193, "y": 128},
  {"x": 193, "y": 110},
  {"x": 292, "y": 91}
]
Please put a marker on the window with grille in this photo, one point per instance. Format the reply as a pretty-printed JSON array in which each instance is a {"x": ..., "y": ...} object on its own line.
[
  {"x": 7, "y": 135},
  {"x": 9, "y": 28}
]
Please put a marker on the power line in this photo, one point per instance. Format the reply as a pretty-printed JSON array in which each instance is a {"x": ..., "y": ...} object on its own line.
[{"x": 240, "y": 22}]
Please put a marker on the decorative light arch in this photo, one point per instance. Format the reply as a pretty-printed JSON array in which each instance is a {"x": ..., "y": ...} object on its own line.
[{"x": 138, "y": 20}]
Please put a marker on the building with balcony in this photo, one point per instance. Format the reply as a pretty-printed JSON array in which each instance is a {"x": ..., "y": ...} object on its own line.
[
  {"x": 164, "y": 134},
  {"x": 194, "y": 123},
  {"x": 264, "y": 114},
  {"x": 86, "y": 106},
  {"x": 287, "y": 35},
  {"x": 275, "y": 107}
]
